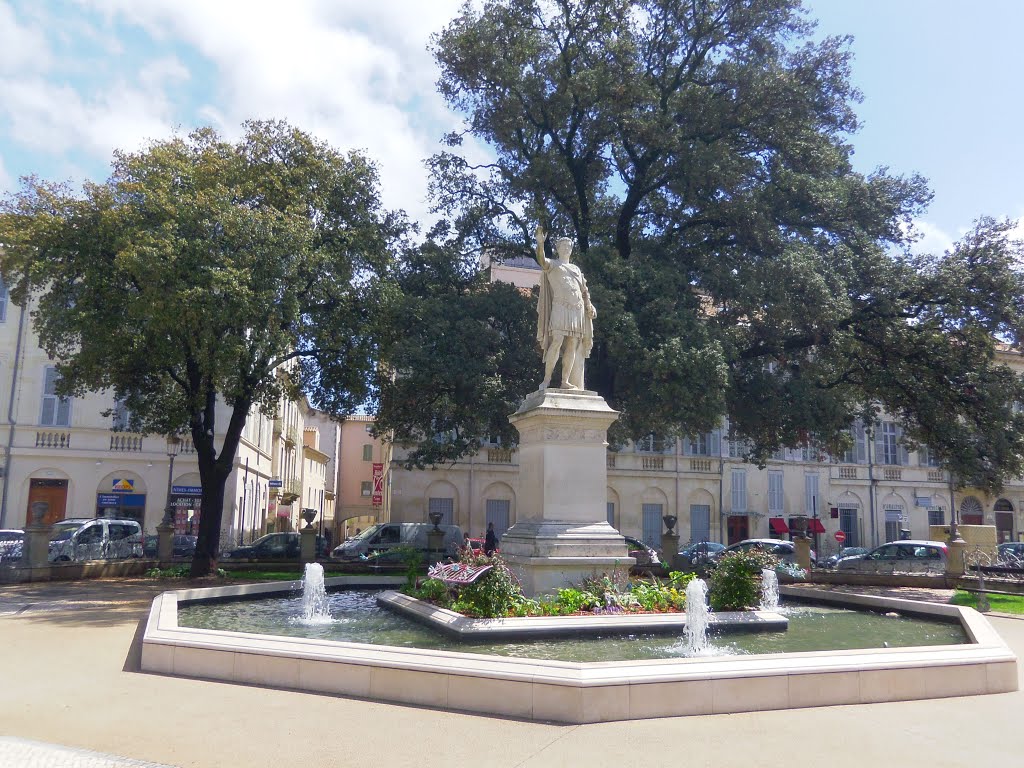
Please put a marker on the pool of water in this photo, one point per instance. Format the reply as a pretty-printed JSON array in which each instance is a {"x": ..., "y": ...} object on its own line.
[{"x": 357, "y": 618}]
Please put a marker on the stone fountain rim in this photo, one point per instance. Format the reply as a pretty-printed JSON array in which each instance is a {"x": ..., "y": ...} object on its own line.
[{"x": 581, "y": 692}]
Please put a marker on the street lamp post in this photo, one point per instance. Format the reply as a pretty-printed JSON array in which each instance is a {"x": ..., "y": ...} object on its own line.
[{"x": 165, "y": 531}]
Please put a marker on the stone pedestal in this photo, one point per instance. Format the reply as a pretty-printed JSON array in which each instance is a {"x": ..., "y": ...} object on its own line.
[
  {"x": 803, "y": 552},
  {"x": 435, "y": 545},
  {"x": 307, "y": 544},
  {"x": 669, "y": 548},
  {"x": 562, "y": 535},
  {"x": 165, "y": 544},
  {"x": 36, "y": 549},
  {"x": 955, "y": 558}
]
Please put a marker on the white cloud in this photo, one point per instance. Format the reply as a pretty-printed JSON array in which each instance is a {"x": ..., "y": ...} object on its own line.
[
  {"x": 354, "y": 73},
  {"x": 6, "y": 182},
  {"x": 930, "y": 238},
  {"x": 23, "y": 47}
]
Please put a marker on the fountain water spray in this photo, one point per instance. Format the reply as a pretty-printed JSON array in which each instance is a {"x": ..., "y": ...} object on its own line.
[
  {"x": 769, "y": 590},
  {"x": 697, "y": 618},
  {"x": 314, "y": 596}
]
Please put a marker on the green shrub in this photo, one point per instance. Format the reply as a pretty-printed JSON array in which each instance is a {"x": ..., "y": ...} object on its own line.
[
  {"x": 412, "y": 558},
  {"x": 735, "y": 584},
  {"x": 494, "y": 595},
  {"x": 434, "y": 590}
]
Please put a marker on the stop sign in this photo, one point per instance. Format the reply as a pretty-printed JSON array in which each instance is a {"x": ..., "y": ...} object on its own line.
[{"x": 840, "y": 536}]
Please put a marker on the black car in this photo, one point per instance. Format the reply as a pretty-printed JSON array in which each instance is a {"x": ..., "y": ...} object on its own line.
[
  {"x": 699, "y": 553},
  {"x": 184, "y": 546},
  {"x": 275, "y": 546}
]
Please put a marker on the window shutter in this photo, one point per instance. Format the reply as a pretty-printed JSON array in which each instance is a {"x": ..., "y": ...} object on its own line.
[
  {"x": 879, "y": 445},
  {"x": 902, "y": 454},
  {"x": 687, "y": 447},
  {"x": 63, "y": 412},
  {"x": 715, "y": 448},
  {"x": 860, "y": 445}
]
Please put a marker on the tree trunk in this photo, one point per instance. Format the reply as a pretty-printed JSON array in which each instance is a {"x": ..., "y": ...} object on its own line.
[{"x": 204, "y": 562}]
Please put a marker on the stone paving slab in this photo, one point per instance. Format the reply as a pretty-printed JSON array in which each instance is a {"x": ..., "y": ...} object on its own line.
[{"x": 22, "y": 753}]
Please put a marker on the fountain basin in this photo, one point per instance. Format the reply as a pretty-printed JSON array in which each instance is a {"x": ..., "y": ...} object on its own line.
[{"x": 573, "y": 692}]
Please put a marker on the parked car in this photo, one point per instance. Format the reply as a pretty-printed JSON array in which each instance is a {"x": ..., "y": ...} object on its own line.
[
  {"x": 644, "y": 554},
  {"x": 833, "y": 560},
  {"x": 384, "y": 536},
  {"x": 275, "y": 546},
  {"x": 184, "y": 546},
  {"x": 1011, "y": 553},
  {"x": 782, "y": 549},
  {"x": 699, "y": 553},
  {"x": 907, "y": 556},
  {"x": 11, "y": 541},
  {"x": 95, "y": 539}
]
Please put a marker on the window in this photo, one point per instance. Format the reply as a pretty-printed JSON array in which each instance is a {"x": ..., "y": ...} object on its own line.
[
  {"x": 611, "y": 513},
  {"x": 498, "y": 513},
  {"x": 56, "y": 410},
  {"x": 446, "y": 506},
  {"x": 652, "y": 514},
  {"x": 739, "y": 491},
  {"x": 936, "y": 517},
  {"x": 776, "y": 498},
  {"x": 893, "y": 521},
  {"x": 655, "y": 444},
  {"x": 365, "y": 488},
  {"x": 887, "y": 444},
  {"x": 700, "y": 522},
  {"x": 927, "y": 457},
  {"x": 122, "y": 416},
  {"x": 368, "y": 452},
  {"x": 3, "y": 301},
  {"x": 706, "y": 444},
  {"x": 858, "y": 453},
  {"x": 848, "y": 525},
  {"x": 812, "y": 501}
]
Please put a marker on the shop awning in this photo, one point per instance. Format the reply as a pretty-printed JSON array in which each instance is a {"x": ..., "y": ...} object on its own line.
[
  {"x": 814, "y": 526},
  {"x": 778, "y": 525}
]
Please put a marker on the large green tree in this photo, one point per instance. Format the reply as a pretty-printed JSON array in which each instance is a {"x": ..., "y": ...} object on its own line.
[
  {"x": 698, "y": 151},
  {"x": 205, "y": 271},
  {"x": 459, "y": 358}
]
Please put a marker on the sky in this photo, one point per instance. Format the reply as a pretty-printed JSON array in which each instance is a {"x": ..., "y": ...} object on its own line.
[{"x": 941, "y": 81}]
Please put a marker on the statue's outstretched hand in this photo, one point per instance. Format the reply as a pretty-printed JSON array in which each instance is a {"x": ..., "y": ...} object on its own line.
[{"x": 540, "y": 234}]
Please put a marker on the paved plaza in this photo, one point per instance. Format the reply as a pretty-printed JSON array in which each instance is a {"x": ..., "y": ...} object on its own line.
[{"x": 71, "y": 695}]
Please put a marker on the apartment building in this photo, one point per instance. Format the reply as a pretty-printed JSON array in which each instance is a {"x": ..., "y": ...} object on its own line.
[
  {"x": 78, "y": 455},
  {"x": 364, "y": 477}
]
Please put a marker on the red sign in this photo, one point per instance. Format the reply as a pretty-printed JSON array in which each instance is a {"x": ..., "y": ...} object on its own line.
[
  {"x": 840, "y": 536},
  {"x": 378, "y": 485}
]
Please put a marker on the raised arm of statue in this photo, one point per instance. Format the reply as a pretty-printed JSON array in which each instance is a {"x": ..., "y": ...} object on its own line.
[{"x": 541, "y": 235}]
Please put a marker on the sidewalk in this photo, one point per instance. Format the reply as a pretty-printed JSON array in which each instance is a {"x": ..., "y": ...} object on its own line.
[{"x": 69, "y": 677}]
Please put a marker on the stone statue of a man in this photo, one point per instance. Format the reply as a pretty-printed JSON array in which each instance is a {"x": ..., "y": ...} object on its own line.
[{"x": 564, "y": 314}]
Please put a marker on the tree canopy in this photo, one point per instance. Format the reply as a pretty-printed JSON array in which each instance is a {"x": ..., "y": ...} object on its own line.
[
  {"x": 699, "y": 152},
  {"x": 203, "y": 269}
]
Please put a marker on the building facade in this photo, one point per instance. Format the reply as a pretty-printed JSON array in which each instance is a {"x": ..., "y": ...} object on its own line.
[
  {"x": 364, "y": 493},
  {"x": 78, "y": 455}
]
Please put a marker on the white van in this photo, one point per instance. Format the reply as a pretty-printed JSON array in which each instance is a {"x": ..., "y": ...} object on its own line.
[
  {"x": 95, "y": 539},
  {"x": 385, "y": 536}
]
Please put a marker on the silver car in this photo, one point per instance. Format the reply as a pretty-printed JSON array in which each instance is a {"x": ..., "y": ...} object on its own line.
[
  {"x": 95, "y": 539},
  {"x": 908, "y": 556}
]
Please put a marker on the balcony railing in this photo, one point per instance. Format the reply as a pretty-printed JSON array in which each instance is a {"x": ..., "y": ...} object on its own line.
[
  {"x": 611, "y": 461},
  {"x": 653, "y": 462},
  {"x": 278, "y": 426},
  {"x": 291, "y": 434},
  {"x": 53, "y": 439},
  {"x": 936, "y": 476},
  {"x": 126, "y": 441},
  {"x": 892, "y": 474},
  {"x": 291, "y": 490},
  {"x": 499, "y": 455},
  {"x": 847, "y": 473},
  {"x": 700, "y": 465}
]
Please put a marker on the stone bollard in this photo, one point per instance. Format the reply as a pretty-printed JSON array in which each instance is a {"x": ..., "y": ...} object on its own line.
[
  {"x": 35, "y": 551},
  {"x": 435, "y": 546},
  {"x": 165, "y": 544},
  {"x": 669, "y": 549},
  {"x": 803, "y": 552},
  {"x": 955, "y": 558},
  {"x": 307, "y": 544}
]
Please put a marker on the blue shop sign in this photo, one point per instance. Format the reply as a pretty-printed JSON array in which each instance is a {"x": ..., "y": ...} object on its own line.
[
  {"x": 187, "y": 490},
  {"x": 108, "y": 500},
  {"x": 120, "y": 499}
]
